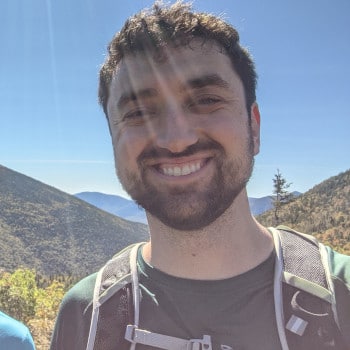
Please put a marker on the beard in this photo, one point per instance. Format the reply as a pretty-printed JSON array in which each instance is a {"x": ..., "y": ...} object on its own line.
[{"x": 191, "y": 207}]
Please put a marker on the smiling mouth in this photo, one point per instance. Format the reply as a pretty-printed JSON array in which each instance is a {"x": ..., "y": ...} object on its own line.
[{"x": 181, "y": 169}]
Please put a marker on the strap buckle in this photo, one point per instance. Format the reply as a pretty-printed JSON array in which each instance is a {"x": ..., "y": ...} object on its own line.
[
  {"x": 200, "y": 344},
  {"x": 139, "y": 336},
  {"x": 130, "y": 333}
]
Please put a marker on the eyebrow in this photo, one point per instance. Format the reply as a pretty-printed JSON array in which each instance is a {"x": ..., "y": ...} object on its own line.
[
  {"x": 207, "y": 80},
  {"x": 134, "y": 96},
  {"x": 194, "y": 83}
]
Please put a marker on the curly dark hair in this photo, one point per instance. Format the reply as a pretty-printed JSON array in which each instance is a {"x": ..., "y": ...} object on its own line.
[{"x": 177, "y": 24}]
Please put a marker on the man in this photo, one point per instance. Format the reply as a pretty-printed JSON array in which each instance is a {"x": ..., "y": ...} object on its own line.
[
  {"x": 178, "y": 91},
  {"x": 14, "y": 335}
]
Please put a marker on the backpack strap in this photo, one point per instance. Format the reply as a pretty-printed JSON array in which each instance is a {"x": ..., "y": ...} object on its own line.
[
  {"x": 304, "y": 293},
  {"x": 118, "y": 275},
  {"x": 113, "y": 278}
]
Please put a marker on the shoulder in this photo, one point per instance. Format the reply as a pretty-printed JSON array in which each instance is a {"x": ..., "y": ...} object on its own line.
[
  {"x": 72, "y": 325},
  {"x": 82, "y": 292},
  {"x": 78, "y": 299},
  {"x": 73, "y": 319},
  {"x": 339, "y": 265},
  {"x": 14, "y": 335}
]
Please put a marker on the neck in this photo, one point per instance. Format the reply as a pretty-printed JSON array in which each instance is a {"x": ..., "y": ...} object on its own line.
[{"x": 234, "y": 243}]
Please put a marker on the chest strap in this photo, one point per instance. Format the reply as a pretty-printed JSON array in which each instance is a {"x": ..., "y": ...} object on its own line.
[{"x": 140, "y": 336}]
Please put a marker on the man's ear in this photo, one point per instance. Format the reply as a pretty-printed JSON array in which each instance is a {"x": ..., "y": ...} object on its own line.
[{"x": 255, "y": 126}]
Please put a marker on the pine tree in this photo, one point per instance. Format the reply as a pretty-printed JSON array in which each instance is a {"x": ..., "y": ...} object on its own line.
[{"x": 282, "y": 195}]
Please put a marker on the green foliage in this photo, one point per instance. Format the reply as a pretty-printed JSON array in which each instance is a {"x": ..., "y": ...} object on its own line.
[
  {"x": 33, "y": 300},
  {"x": 18, "y": 293},
  {"x": 46, "y": 309}
]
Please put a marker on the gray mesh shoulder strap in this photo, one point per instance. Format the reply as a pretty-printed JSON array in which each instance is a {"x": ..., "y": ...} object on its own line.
[
  {"x": 112, "y": 277},
  {"x": 301, "y": 265}
]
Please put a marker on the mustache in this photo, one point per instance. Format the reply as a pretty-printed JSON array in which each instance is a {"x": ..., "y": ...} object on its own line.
[{"x": 155, "y": 152}]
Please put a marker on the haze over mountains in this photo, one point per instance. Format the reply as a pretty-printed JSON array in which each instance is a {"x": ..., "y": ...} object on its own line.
[
  {"x": 127, "y": 208},
  {"x": 115, "y": 205}
]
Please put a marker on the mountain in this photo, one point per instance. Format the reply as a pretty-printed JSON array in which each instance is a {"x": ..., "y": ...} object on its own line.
[
  {"x": 260, "y": 205},
  {"x": 323, "y": 211},
  {"x": 127, "y": 209},
  {"x": 54, "y": 232},
  {"x": 115, "y": 205}
]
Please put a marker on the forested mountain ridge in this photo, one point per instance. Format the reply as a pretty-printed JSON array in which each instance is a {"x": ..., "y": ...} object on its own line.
[
  {"x": 323, "y": 211},
  {"x": 56, "y": 233}
]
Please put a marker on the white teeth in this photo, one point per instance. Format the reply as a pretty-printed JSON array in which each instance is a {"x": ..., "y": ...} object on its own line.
[
  {"x": 186, "y": 170},
  {"x": 181, "y": 171},
  {"x": 177, "y": 171}
]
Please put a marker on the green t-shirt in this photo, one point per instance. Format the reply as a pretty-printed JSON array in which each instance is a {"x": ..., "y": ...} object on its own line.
[{"x": 237, "y": 313}]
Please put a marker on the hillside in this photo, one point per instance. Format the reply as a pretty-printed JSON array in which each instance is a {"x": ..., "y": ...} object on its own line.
[
  {"x": 322, "y": 211},
  {"x": 56, "y": 233}
]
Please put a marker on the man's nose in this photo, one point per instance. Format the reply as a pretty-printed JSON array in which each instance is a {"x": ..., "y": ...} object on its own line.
[{"x": 177, "y": 131}]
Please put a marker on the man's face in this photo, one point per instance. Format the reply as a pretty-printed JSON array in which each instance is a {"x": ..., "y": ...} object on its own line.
[{"x": 181, "y": 136}]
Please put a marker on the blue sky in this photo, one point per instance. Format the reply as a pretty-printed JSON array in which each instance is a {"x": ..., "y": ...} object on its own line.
[{"x": 53, "y": 130}]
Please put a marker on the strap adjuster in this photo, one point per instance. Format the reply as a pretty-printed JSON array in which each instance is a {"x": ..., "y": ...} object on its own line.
[
  {"x": 140, "y": 336},
  {"x": 200, "y": 344},
  {"x": 130, "y": 333},
  {"x": 296, "y": 325}
]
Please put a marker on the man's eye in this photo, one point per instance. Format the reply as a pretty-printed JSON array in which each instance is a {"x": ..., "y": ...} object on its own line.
[
  {"x": 204, "y": 104},
  {"x": 208, "y": 100},
  {"x": 134, "y": 114},
  {"x": 138, "y": 114}
]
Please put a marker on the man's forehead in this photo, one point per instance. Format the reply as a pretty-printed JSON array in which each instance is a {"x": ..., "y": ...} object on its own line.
[{"x": 181, "y": 64}]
